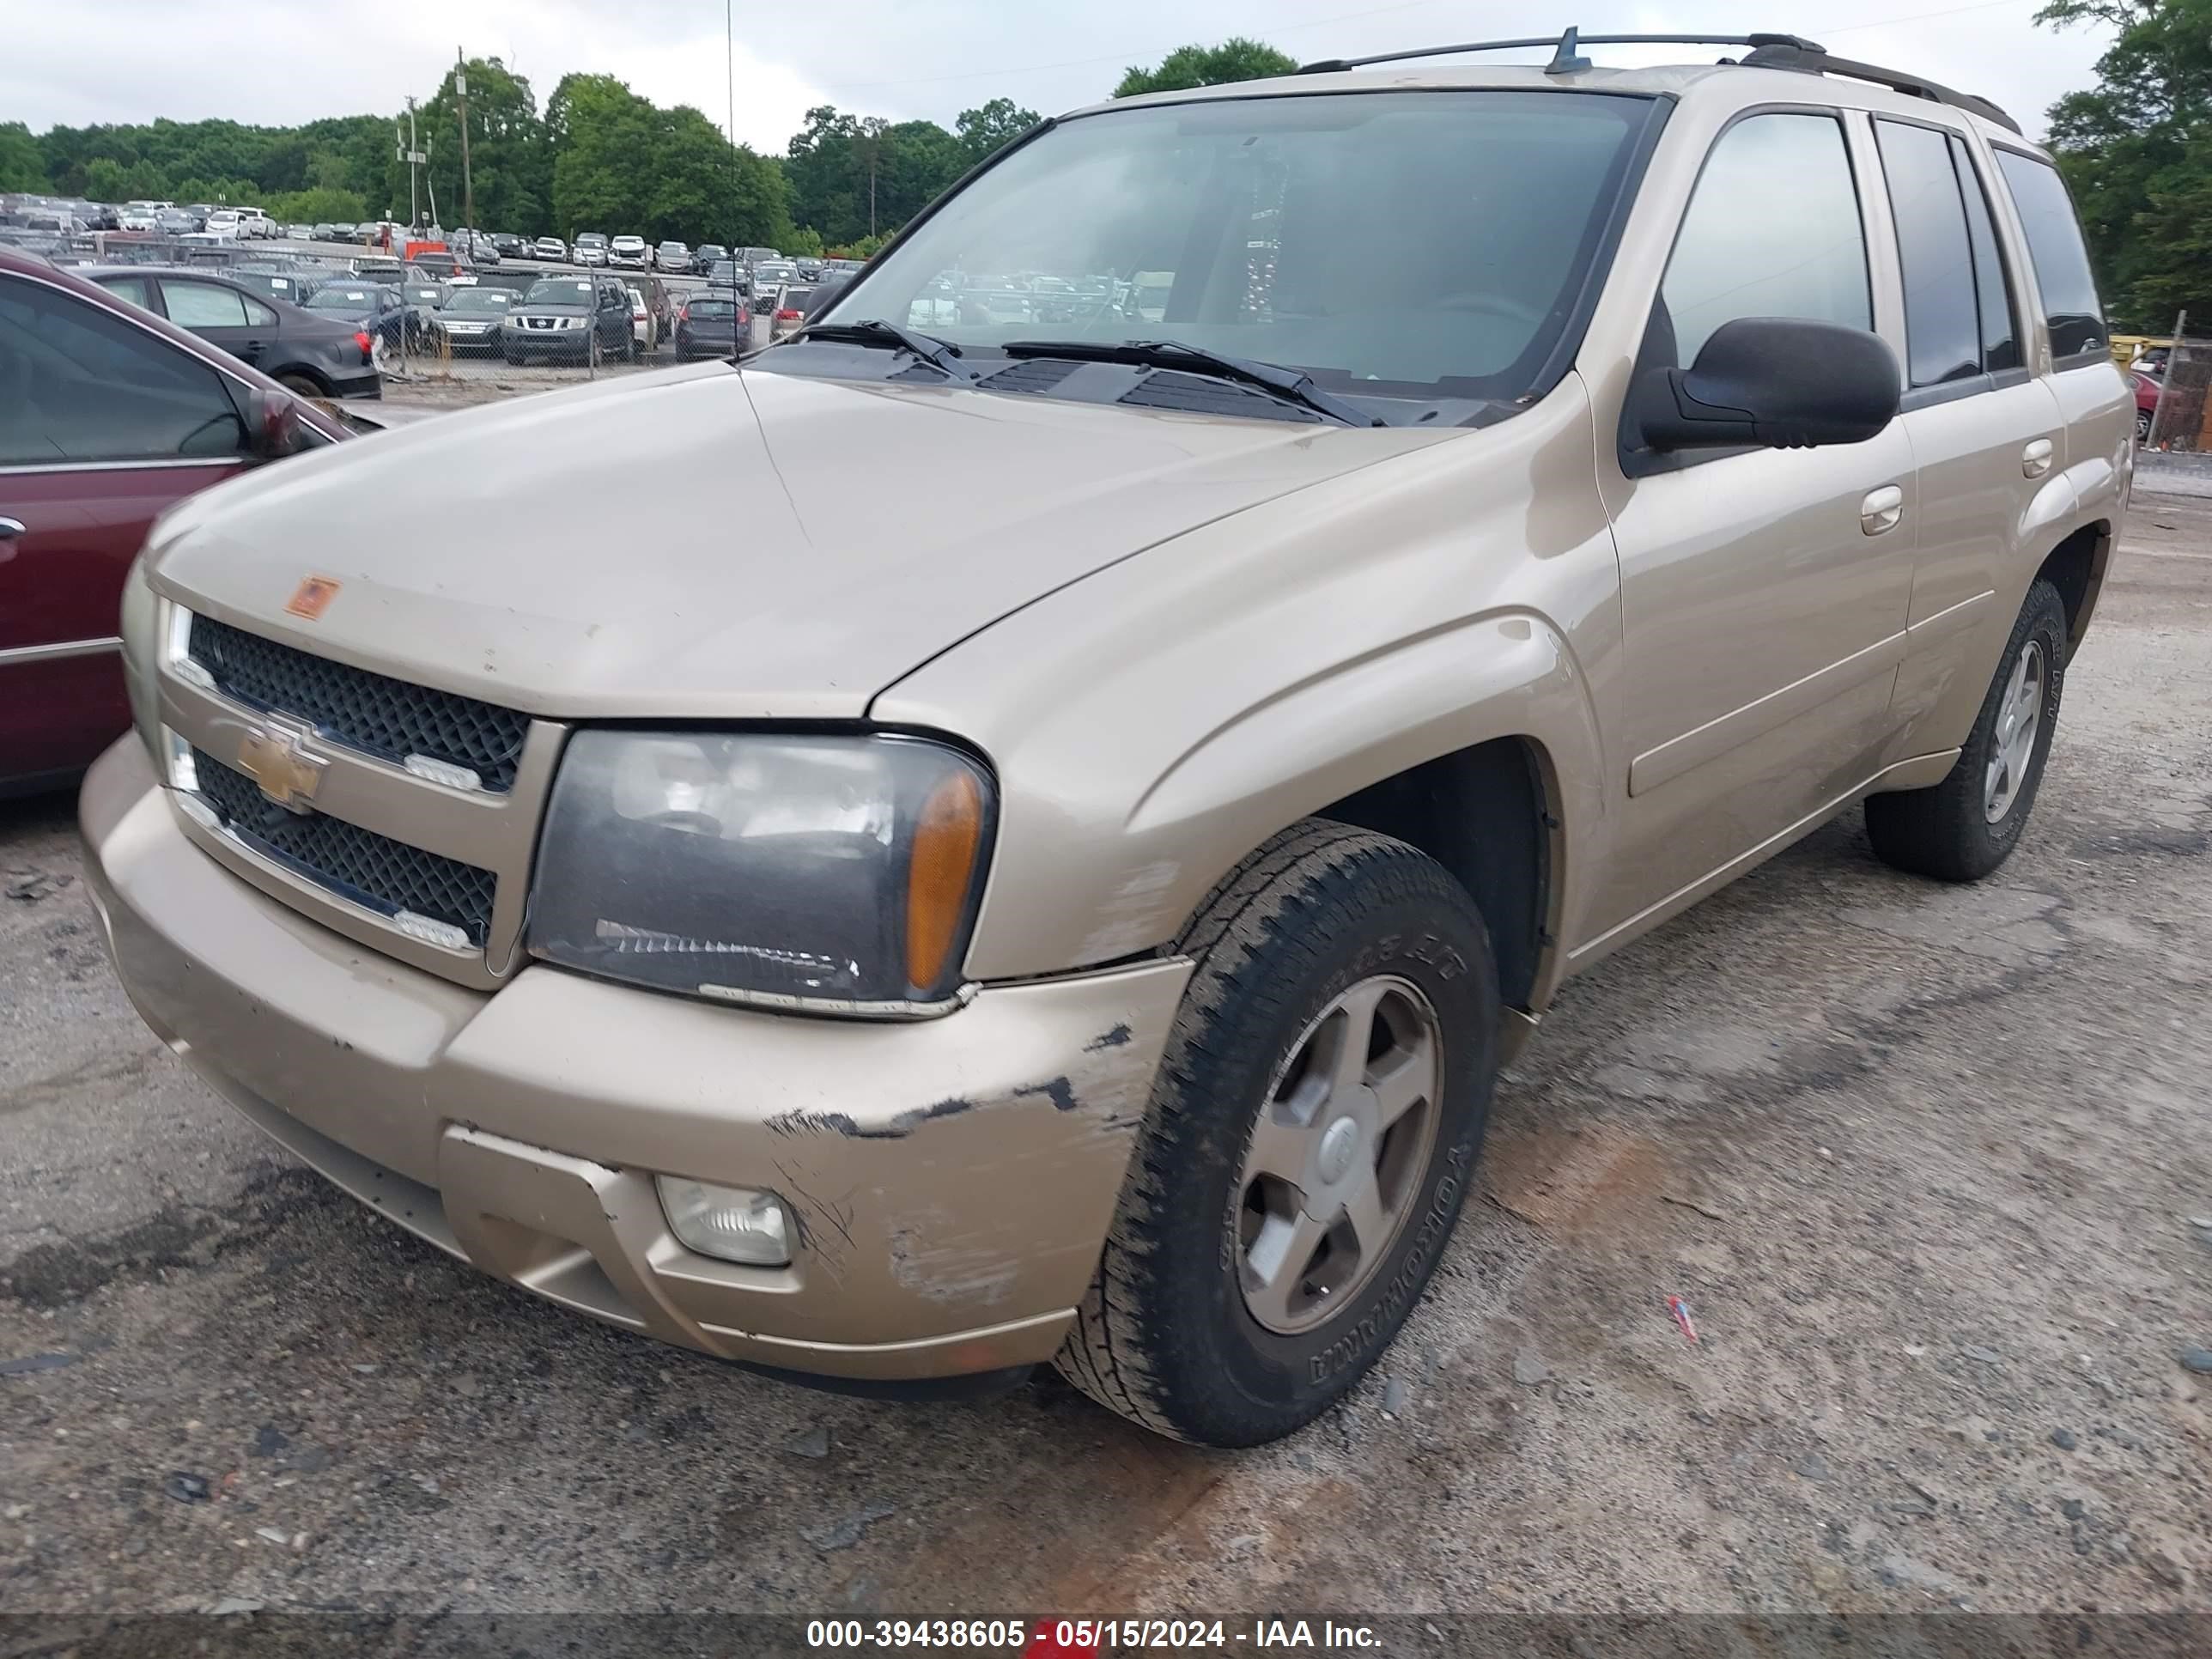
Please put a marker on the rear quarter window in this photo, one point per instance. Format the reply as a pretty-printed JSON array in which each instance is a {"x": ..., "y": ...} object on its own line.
[{"x": 2061, "y": 258}]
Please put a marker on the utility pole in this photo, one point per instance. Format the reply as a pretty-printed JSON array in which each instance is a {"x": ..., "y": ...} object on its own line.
[
  {"x": 461, "y": 101},
  {"x": 413, "y": 156}
]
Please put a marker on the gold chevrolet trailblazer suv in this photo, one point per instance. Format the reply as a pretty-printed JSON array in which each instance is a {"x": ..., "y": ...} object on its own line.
[{"x": 1030, "y": 841}]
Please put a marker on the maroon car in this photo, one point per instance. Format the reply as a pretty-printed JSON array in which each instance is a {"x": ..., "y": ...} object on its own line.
[
  {"x": 2147, "y": 388},
  {"x": 108, "y": 414}
]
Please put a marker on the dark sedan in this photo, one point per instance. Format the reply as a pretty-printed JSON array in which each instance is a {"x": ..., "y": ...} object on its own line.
[
  {"x": 713, "y": 326},
  {"x": 370, "y": 307},
  {"x": 312, "y": 354},
  {"x": 472, "y": 316}
]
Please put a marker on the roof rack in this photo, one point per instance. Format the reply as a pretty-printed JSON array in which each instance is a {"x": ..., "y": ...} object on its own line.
[
  {"x": 1777, "y": 52},
  {"x": 1565, "y": 54},
  {"x": 1812, "y": 60}
]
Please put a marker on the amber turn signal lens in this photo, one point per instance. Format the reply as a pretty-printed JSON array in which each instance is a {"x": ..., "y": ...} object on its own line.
[{"x": 945, "y": 840}]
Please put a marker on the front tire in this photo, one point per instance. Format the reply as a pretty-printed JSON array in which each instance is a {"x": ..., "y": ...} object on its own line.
[
  {"x": 1312, "y": 1133},
  {"x": 1965, "y": 827}
]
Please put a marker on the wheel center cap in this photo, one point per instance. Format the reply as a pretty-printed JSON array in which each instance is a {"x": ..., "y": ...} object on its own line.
[{"x": 1338, "y": 1142}]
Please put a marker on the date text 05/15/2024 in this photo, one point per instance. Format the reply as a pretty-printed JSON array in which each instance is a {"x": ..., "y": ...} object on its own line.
[{"x": 1052, "y": 1638}]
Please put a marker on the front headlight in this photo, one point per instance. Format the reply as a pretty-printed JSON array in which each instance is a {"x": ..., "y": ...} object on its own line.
[{"x": 836, "y": 874}]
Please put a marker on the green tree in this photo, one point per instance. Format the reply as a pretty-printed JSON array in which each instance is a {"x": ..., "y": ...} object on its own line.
[
  {"x": 510, "y": 162},
  {"x": 22, "y": 159},
  {"x": 1234, "y": 59},
  {"x": 602, "y": 133},
  {"x": 318, "y": 204},
  {"x": 2136, "y": 151},
  {"x": 107, "y": 179},
  {"x": 852, "y": 176},
  {"x": 985, "y": 131}
]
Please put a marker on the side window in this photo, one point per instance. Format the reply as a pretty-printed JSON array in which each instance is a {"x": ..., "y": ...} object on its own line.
[
  {"x": 1773, "y": 230},
  {"x": 2000, "y": 325},
  {"x": 137, "y": 289},
  {"x": 1942, "y": 329},
  {"x": 202, "y": 304},
  {"x": 80, "y": 384},
  {"x": 2055, "y": 245},
  {"x": 256, "y": 315}
]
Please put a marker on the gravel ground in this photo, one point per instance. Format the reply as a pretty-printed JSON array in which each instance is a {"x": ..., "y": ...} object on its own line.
[{"x": 1930, "y": 1166}]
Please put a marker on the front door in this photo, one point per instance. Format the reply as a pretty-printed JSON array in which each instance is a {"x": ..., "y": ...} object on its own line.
[
  {"x": 102, "y": 424},
  {"x": 1764, "y": 592}
]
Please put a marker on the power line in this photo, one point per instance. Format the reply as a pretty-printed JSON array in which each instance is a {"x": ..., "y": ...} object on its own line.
[{"x": 1915, "y": 17}]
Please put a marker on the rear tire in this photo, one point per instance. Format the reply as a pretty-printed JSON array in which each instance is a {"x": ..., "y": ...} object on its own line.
[
  {"x": 305, "y": 385},
  {"x": 1965, "y": 827},
  {"x": 1196, "y": 1325}
]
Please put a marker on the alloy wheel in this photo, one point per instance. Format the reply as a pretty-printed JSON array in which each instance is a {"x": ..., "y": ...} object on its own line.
[
  {"x": 1338, "y": 1155},
  {"x": 2012, "y": 747}
]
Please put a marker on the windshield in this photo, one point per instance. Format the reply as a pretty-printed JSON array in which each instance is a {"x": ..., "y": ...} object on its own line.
[
  {"x": 1406, "y": 244},
  {"x": 591, "y": 239},
  {"x": 481, "y": 299},
  {"x": 699, "y": 308},
  {"x": 424, "y": 297},
  {"x": 343, "y": 299},
  {"x": 558, "y": 293}
]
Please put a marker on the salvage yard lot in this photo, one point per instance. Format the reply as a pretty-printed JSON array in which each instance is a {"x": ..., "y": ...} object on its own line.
[{"x": 1924, "y": 1162}]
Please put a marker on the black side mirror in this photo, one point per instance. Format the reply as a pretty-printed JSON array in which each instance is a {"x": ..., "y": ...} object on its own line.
[
  {"x": 272, "y": 424},
  {"x": 1777, "y": 382}
]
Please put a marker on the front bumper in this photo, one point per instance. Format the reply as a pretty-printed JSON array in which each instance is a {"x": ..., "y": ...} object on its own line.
[{"x": 952, "y": 1180}]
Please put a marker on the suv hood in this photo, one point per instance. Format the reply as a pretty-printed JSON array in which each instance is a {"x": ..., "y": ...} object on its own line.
[{"x": 712, "y": 543}]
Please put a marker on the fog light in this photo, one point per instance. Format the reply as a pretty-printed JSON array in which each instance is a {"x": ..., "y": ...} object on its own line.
[{"x": 732, "y": 1223}]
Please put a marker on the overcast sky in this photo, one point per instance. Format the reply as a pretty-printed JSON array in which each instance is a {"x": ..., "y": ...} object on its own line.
[{"x": 278, "y": 61}]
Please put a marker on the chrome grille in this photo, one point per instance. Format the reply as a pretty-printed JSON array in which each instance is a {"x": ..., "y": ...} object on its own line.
[
  {"x": 374, "y": 713},
  {"x": 373, "y": 870}
]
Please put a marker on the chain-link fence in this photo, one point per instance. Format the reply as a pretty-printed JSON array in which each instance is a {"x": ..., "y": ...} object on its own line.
[{"x": 2170, "y": 379}]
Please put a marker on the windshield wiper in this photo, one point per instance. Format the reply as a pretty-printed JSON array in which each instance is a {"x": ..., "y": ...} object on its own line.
[
  {"x": 1291, "y": 385},
  {"x": 875, "y": 331}
]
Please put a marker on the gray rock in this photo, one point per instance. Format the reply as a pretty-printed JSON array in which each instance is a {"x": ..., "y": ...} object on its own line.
[
  {"x": 2073, "y": 1509},
  {"x": 268, "y": 1440},
  {"x": 1896, "y": 1570},
  {"x": 1529, "y": 1369},
  {"x": 1812, "y": 1466},
  {"x": 310, "y": 1460},
  {"x": 185, "y": 1487},
  {"x": 1394, "y": 1395},
  {"x": 229, "y": 1606},
  {"x": 815, "y": 1442},
  {"x": 1986, "y": 1355},
  {"x": 2063, "y": 1439},
  {"x": 843, "y": 1535},
  {"x": 2198, "y": 1360},
  {"x": 36, "y": 1362}
]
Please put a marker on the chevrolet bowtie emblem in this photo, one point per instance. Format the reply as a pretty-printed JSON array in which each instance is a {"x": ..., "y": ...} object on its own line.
[{"x": 274, "y": 756}]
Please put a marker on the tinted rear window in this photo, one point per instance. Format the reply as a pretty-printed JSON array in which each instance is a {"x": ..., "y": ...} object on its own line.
[
  {"x": 713, "y": 308},
  {"x": 2054, "y": 245},
  {"x": 1941, "y": 329}
]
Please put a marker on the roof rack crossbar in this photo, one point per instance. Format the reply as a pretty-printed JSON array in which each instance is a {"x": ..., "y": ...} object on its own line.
[
  {"x": 1813, "y": 60},
  {"x": 1566, "y": 57}
]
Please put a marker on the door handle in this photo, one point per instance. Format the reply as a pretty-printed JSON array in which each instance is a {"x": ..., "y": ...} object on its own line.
[
  {"x": 2035, "y": 460},
  {"x": 11, "y": 528},
  {"x": 1882, "y": 510}
]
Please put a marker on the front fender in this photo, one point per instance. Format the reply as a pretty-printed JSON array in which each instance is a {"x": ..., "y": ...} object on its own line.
[{"x": 1154, "y": 723}]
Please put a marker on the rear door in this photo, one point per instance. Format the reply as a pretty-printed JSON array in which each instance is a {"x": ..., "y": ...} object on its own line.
[
  {"x": 221, "y": 316},
  {"x": 102, "y": 424},
  {"x": 1985, "y": 431}
]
